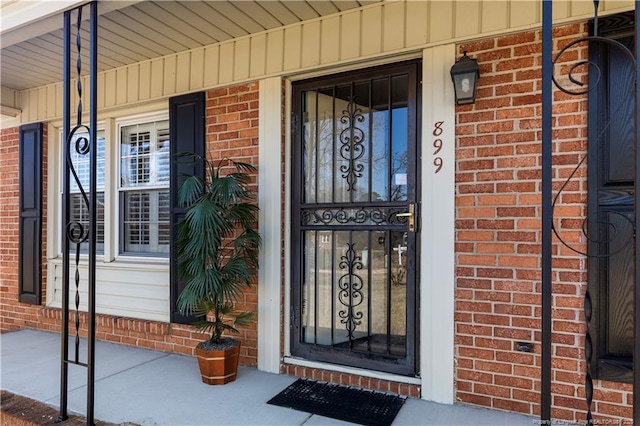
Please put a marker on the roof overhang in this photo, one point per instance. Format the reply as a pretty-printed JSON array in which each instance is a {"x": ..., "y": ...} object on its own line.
[{"x": 131, "y": 31}]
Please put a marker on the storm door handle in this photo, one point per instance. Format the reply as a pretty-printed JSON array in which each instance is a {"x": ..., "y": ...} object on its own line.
[{"x": 411, "y": 215}]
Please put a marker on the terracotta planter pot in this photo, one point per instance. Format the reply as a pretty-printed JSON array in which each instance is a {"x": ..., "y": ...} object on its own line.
[{"x": 218, "y": 366}]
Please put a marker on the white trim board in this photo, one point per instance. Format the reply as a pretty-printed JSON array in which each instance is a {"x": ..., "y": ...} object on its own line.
[
  {"x": 270, "y": 225},
  {"x": 437, "y": 256}
]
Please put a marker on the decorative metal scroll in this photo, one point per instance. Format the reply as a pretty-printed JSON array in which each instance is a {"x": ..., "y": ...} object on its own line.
[
  {"x": 356, "y": 215},
  {"x": 573, "y": 85},
  {"x": 350, "y": 287},
  {"x": 81, "y": 139},
  {"x": 581, "y": 90},
  {"x": 352, "y": 143}
]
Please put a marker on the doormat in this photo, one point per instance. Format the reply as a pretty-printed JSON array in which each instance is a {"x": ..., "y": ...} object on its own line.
[{"x": 350, "y": 404}]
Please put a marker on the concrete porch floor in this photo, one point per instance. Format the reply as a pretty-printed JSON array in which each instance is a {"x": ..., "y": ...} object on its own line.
[{"x": 146, "y": 387}]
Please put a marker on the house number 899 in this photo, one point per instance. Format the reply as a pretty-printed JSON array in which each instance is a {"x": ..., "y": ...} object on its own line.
[{"x": 437, "y": 145}]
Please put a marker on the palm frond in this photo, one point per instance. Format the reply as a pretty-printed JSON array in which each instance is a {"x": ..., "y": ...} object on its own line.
[{"x": 217, "y": 244}]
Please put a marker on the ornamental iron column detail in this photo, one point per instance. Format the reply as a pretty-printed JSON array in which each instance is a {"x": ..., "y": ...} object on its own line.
[
  {"x": 573, "y": 85},
  {"x": 79, "y": 139}
]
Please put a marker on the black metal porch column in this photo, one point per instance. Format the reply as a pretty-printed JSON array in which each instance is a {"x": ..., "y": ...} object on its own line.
[
  {"x": 548, "y": 205},
  {"x": 82, "y": 139},
  {"x": 547, "y": 211},
  {"x": 636, "y": 310}
]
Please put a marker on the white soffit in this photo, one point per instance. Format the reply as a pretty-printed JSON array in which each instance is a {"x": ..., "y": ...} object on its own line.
[
  {"x": 132, "y": 31},
  {"x": 15, "y": 14}
]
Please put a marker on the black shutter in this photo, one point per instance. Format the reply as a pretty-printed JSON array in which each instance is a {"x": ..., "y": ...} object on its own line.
[
  {"x": 187, "y": 133},
  {"x": 30, "y": 222},
  {"x": 611, "y": 190}
]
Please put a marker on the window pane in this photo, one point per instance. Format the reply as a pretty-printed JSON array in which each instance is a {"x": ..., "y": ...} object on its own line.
[
  {"x": 80, "y": 163},
  {"x": 144, "y": 155},
  {"x": 146, "y": 222},
  {"x": 145, "y": 163},
  {"x": 162, "y": 156},
  {"x": 80, "y": 214},
  {"x": 79, "y": 210}
]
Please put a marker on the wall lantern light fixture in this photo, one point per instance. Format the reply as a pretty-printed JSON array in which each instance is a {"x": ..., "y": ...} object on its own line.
[{"x": 465, "y": 74}]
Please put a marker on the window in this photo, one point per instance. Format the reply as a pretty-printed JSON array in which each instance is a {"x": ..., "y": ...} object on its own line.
[
  {"x": 144, "y": 188},
  {"x": 78, "y": 207},
  {"x": 137, "y": 183},
  {"x": 610, "y": 203}
]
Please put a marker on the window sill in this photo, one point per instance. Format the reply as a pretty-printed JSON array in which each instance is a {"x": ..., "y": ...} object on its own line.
[{"x": 123, "y": 262}]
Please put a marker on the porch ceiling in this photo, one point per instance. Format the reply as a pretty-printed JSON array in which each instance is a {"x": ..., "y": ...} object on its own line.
[{"x": 134, "y": 31}]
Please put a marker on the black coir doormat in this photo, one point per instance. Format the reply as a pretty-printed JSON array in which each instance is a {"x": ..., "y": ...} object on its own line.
[{"x": 353, "y": 405}]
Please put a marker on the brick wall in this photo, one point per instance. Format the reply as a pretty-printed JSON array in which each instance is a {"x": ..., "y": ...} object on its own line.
[
  {"x": 12, "y": 314},
  {"x": 8, "y": 224},
  {"x": 232, "y": 131},
  {"x": 351, "y": 380},
  {"x": 498, "y": 235}
]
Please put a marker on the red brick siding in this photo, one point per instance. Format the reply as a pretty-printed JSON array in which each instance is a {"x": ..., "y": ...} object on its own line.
[
  {"x": 498, "y": 235},
  {"x": 232, "y": 131},
  {"x": 14, "y": 315},
  {"x": 9, "y": 191},
  {"x": 351, "y": 380}
]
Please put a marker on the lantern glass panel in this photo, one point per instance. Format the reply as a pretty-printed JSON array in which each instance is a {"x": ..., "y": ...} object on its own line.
[{"x": 465, "y": 87}]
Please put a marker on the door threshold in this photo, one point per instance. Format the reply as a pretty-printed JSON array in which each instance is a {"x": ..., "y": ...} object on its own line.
[{"x": 353, "y": 370}]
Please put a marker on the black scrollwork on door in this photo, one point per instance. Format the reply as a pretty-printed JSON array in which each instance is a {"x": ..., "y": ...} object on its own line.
[
  {"x": 352, "y": 143},
  {"x": 350, "y": 287}
]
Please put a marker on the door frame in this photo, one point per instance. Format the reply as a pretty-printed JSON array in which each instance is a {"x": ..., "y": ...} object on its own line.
[
  {"x": 408, "y": 365},
  {"x": 437, "y": 242}
]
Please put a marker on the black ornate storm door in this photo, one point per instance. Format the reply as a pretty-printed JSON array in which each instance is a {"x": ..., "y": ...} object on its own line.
[{"x": 355, "y": 209}]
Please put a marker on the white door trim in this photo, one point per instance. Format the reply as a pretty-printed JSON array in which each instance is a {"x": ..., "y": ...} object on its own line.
[
  {"x": 270, "y": 224},
  {"x": 437, "y": 254}
]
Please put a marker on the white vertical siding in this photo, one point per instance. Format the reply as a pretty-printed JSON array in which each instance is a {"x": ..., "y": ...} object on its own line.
[
  {"x": 417, "y": 30},
  {"x": 292, "y": 48},
  {"x": 350, "y": 36},
  {"x": 196, "y": 77},
  {"x": 242, "y": 59},
  {"x": 371, "y": 23},
  {"x": 145, "y": 85},
  {"x": 393, "y": 27},
  {"x": 468, "y": 18},
  {"x": 133, "y": 84},
  {"x": 169, "y": 74},
  {"x": 258, "y": 55},
  {"x": 311, "y": 44},
  {"x": 211, "y": 55},
  {"x": 225, "y": 63},
  {"x": 184, "y": 65}
]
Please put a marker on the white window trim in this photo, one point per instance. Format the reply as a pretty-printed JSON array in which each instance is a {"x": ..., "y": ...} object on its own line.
[{"x": 117, "y": 187}]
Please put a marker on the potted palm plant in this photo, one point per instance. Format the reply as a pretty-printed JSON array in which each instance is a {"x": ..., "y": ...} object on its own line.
[{"x": 217, "y": 248}]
